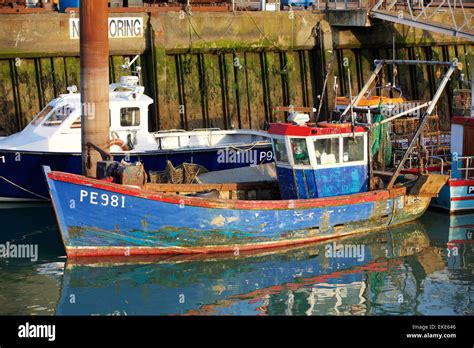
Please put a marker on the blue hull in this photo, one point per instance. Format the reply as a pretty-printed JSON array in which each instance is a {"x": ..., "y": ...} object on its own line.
[
  {"x": 98, "y": 218},
  {"x": 22, "y": 178},
  {"x": 456, "y": 196}
]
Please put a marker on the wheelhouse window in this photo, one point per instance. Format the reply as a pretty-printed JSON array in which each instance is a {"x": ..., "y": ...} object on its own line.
[
  {"x": 353, "y": 149},
  {"x": 43, "y": 113},
  {"x": 280, "y": 150},
  {"x": 58, "y": 116},
  {"x": 300, "y": 151},
  {"x": 326, "y": 151},
  {"x": 77, "y": 123},
  {"x": 129, "y": 117}
]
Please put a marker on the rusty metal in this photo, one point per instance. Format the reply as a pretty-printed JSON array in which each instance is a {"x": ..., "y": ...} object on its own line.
[
  {"x": 294, "y": 109},
  {"x": 94, "y": 45},
  {"x": 22, "y": 10},
  {"x": 429, "y": 185},
  {"x": 104, "y": 155},
  {"x": 133, "y": 174},
  {"x": 12, "y": 3}
]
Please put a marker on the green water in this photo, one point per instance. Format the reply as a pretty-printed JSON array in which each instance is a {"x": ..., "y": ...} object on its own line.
[{"x": 422, "y": 268}]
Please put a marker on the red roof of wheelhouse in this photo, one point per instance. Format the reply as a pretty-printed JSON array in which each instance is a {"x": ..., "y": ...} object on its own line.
[{"x": 311, "y": 129}]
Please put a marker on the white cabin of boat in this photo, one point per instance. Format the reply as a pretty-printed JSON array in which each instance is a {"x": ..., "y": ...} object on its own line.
[{"x": 57, "y": 128}]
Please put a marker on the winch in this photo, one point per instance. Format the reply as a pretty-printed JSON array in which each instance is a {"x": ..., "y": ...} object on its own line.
[{"x": 132, "y": 174}]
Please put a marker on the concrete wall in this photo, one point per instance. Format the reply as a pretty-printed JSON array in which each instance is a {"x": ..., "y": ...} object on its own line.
[{"x": 221, "y": 69}]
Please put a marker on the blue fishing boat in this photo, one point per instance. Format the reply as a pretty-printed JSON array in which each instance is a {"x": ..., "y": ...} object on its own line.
[
  {"x": 53, "y": 138},
  {"x": 326, "y": 189},
  {"x": 323, "y": 182}
]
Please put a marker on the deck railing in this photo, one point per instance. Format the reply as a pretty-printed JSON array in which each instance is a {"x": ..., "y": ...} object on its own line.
[
  {"x": 440, "y": 159},
  {"x": 462, "y": 167}
]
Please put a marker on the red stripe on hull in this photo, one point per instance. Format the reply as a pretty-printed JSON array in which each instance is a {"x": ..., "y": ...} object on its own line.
[
  {"x": 454, "y": 199},
  {"x": 460, "y": 241},
  {"x": 416, "y": 171},
  {"x": 228, "y": 204},
  {"x": 143, "y": 251},
  {"x": 461, "y": 182}
]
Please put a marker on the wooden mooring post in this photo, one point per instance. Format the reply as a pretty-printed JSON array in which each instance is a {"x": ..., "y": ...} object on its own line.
[{"x": 94, "y": 56}]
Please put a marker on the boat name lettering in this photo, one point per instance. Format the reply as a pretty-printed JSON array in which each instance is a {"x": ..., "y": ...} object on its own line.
[
  {"x": 470, "y": 190},
  {"x": 103, "y": 199}
]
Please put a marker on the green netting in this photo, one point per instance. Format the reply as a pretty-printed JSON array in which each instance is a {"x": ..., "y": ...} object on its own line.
[{"x": 380, "y": 143}]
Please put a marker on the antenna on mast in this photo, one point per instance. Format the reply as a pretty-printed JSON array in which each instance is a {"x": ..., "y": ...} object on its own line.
[{"x": 128, "y": 64}]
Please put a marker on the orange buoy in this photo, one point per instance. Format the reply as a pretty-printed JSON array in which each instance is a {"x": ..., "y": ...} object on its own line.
[{"x": 120, "y": 143}]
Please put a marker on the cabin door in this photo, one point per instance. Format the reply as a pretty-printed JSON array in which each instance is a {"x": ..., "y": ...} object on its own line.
[{"x": 468, "y": 141}]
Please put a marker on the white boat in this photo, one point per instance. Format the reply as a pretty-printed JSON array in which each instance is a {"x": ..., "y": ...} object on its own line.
[{"x": 53, "y": 138}]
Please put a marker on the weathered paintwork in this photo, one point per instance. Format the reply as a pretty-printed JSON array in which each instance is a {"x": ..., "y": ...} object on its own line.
[
  {"x": 313, "y": 177},
  {"x": 327, "y": 182},
  {"x": 458, "y": 193},
  {"x": 143, "y": 222}
]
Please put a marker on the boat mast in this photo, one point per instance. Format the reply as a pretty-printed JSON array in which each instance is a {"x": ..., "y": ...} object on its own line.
[
  {"x": 94, "y": 51},
  {"x": 452, "y": 66}
]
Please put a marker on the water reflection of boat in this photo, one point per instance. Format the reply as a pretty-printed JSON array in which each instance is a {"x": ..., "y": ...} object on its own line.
[
  {"x": 453, "y": 230},
  {"x": 461, "y": 241},
  {"x": 296, "y": 281},
  {"x": 31, "y": 223},
  {"x": 449, "y": 268},
  {"x": 461, "y": 229}
]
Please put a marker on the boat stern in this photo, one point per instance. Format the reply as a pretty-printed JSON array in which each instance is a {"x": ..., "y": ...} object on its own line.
[
  {"x": 411, "y": 206},
  {"x": 429, "y": 185}
]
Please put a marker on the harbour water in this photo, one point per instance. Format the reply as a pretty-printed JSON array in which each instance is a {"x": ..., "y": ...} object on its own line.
[{"x": 421, "y": 268}]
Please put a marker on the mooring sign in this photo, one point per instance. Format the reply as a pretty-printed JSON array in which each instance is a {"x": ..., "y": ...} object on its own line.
[{"x": 119, "y": 27}]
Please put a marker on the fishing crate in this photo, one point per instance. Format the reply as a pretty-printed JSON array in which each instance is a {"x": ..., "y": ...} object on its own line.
[{"x": 408, "y": 125}]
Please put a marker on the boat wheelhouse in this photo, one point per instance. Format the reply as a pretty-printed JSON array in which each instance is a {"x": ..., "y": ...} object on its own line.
[
  {"x": 57, "y": 128},
  {"x": 320, "y": 160}
]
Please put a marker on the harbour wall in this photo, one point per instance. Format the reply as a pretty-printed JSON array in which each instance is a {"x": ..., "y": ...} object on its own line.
[{"x": 223, "y": 69}]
